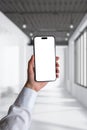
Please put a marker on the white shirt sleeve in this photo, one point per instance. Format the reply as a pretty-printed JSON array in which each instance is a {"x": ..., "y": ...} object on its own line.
[{"x": 19, "y": 114}]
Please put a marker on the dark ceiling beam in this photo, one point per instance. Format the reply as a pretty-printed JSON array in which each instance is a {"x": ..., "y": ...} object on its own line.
[
  {"x": 58, "y": 43},
  {"x": 62, "y": 43},
  {"x": 45, "y": 12},
  {"x": 50, "y": 30}
]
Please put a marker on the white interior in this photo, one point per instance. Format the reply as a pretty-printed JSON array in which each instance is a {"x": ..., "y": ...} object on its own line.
[
  {"x": 12, "y": 55},
  {"x": 77, "y": 91},
  {"x": 55, "y": 108}
]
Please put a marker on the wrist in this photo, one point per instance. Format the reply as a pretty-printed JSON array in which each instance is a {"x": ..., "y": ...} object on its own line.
[{"x": 28, "y": 85}]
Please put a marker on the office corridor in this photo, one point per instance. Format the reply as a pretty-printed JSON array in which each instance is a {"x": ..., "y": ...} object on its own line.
[
  {"x": 61, "y": 105},
  {"x": 56, "y": 109}
]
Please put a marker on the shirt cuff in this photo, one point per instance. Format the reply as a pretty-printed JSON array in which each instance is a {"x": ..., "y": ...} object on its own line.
[{"x": 26, "y": 98}]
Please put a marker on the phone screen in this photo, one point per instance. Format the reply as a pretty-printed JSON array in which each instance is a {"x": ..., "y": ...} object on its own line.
[{"x": 45, "y": 62}]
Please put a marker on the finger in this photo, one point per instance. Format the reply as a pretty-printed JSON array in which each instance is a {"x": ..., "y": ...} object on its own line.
[
  {"x": 57, "y": 76},
  {"x": 31, "y": 64},
  {"x": 57, "y": 64},
  {"x": 57, "y": 58},
  {"x": 32, "y": 60},
  {"x": 57, "y": 70}
]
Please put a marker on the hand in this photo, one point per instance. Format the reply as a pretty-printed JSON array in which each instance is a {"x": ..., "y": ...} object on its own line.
[{"x": 31, "y": 83}]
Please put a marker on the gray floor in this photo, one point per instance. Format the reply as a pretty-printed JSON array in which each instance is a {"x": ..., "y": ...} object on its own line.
[{"x": 55, "y": 109}]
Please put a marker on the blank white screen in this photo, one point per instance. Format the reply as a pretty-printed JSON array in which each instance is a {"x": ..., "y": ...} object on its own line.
[{"x": 44, "y": 58}]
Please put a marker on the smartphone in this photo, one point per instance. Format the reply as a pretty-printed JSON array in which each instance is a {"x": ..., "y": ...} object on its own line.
[{"x": 45, "y": 58}]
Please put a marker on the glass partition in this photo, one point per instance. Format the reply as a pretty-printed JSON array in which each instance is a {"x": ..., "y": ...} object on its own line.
[{"x": 81, "y": 59}]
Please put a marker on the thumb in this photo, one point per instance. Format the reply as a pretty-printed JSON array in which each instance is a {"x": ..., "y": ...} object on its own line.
[
  {"x": 31, "y": 63},
  {"x": 32, "y": 60}
]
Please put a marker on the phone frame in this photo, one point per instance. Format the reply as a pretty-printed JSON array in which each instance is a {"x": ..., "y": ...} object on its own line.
[{"x": 34, "y": 56}]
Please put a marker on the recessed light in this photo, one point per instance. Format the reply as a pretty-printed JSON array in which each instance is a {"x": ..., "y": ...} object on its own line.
[
  {"x": 68, "y": 34},
  {"x": 24, "y": 26},
  {"x": 66, "y": 39},
  {"x": 31, "y": 34},
  {"x": 71, "y": 26}
]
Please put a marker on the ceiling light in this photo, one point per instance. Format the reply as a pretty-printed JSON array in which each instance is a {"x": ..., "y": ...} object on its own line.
[
  {"x": 71, "y": 26},
  {"x": 68, "y": 34},
  {"x": 71, "y": 22},
  {"x": 66, "y": 39},
  {"x": 24, "y": 26},
  {"x": 31, "y": 34}
]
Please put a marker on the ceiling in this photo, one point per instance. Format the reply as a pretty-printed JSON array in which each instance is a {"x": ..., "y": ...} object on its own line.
[{"x": 45, "y": 17}]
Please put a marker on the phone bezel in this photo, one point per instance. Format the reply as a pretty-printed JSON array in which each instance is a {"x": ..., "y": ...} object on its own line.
[{"x": 35, "y": 62}]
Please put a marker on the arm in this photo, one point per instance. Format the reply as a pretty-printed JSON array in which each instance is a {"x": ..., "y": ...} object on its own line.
[{"x": 19, "y": 114}]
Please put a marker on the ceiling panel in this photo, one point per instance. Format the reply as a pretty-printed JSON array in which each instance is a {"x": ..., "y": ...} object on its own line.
[{"x": 45, "y": 17}]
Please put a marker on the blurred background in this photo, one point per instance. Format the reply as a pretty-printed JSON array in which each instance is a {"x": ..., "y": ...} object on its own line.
[{"x": 61, "y": 104}]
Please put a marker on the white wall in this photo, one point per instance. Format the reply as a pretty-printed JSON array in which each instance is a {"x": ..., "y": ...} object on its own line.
[
  {"x": 9, "y": 65},
  {"x": 12, "y": 55},
  {"x": 77, "y": 91},
  {"x": 59, "y": 52}
]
